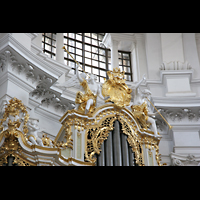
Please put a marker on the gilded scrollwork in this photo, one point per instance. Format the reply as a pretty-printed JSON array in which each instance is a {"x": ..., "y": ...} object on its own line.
[{"x": 95, "y": 136}]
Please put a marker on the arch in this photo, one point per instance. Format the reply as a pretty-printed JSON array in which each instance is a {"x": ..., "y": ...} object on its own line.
[{"x": 97, "y": 134}]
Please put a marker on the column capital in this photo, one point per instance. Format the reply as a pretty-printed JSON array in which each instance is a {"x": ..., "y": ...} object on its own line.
[{"x": 114, "y": 43}]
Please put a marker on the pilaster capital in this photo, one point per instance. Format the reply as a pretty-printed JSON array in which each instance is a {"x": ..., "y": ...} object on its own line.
[{"x": 114, "y": 43}]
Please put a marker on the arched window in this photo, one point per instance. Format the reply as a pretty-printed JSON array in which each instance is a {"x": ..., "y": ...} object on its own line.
[{"x": 86, "y": 48}]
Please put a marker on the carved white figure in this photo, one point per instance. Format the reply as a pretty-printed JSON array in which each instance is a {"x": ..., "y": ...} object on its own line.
[
  {"x": 89, "y": 90},
  {"x": 87, "y": 100},
  {"x": 147, "y": 94},
  {"x": 140, "y": 102},
  {"x": 136, "y": 93},
  {"x": 32, "y": 134}
]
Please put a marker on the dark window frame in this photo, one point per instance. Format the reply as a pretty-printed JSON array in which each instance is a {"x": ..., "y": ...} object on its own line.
[
  {"x": 97, "y": 62},
  {"x": 50, "y": 52}
]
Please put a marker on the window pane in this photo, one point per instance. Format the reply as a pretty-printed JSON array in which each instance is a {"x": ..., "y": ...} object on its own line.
[
  {"x": 71, "y": 42},
  {"x": 102, "y": 80},
  {"x": 125, "y": 56},
  {"x": 79, "y": 45},
  {"x": 94, "y": 42},
  {"x": 47, "y": 40},
  {"x": 87, "y": 40},
  {"x": 88, "y": 61},
  {"x": 95, "y": 56},
  {"x": 103, "y": 65},
  {"x": 102, "y": 52},
  {"x": 127, "y": 69},
  {"x": 54, "y": 50},
  {"x": 48, "y": 35},
  {"x": 95, "y": 63},
  {"x": 95, "y": 71},
  {"x": 71, "y": 64},
  {"x": 102, "y": 73},
  {"x": 109, "y": 67},
  {"x": 71, "y": 35},
  {"x": 79, "y": 58},
  {"x": 94, "y": 35},
  {"x": 102, "y": 58},
  {"x": 126, "y": 62},
  {"x": 48, "y": 47},
  {"x": 88, "y": 54},
  {"x": 128, "y": 77},
  {"x": 71, "y": 50},
  {"x": 101, "y": 37},
  {"x": 65, "y": 41},
  {"x": 87, "y": 47},
  {"x": 78, "y": 51},
  {"x": 88, "y": 69},
  {"x": 79, "y": 37},
  {"x": 109, "y": 54},
  {"x": 87, "y": 34},
  {"x": 53, "y": 42},
  {"x": 94, "y": 50}
]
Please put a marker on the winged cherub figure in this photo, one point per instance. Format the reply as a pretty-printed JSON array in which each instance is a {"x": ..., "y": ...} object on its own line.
[
  {"x": 86, "y": 102},
  {"x": 89, "y": 90}
]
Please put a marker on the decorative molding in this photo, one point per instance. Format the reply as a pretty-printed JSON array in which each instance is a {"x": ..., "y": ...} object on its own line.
[
  {"x": 8, "y": 42},
  {"x": 175, "y": 65},
  {"x": 182, "y": 113},
  {"x": 184, "y": 160}
]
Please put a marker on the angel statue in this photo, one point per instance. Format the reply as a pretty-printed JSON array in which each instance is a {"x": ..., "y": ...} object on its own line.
[
  {"x": 85, "y": 101},
  {"x": 32, "y": 135},
  {"x": 141, "y": 108}
]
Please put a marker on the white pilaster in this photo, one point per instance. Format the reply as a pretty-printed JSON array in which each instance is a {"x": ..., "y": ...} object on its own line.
[
  {"x": 38, "y": 40},
  {"x": 59, "y": 50},
  {"x": 190, "y": 52},
  {"x": 172, "y": 47},
  {"x": 141, "y": 55},
  {"x": 114, "y": 54},
  {"x": 154, "y": 54}
]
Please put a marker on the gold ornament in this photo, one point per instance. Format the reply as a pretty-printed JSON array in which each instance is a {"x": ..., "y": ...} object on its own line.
[
  {"x": 83, "y": 98},
  {"x": 116, "y": 88}
]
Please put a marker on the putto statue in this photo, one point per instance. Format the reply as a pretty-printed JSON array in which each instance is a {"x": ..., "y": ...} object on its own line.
[
  {"x": 86, "y": 102},
  {"x": 141, "y": 108},
  {"x": 32, "y": 134}
]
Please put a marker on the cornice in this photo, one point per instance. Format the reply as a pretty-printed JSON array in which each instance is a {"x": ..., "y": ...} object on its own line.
[
  {"x": 16, "y": 80},
  {"x": 177, "y": 102},
  {"x": 32, "y": 35},
  {"x": 8, "y": 41},
  {"x": 38, "y": 51},
  {"x": 110, "y": 37}
]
